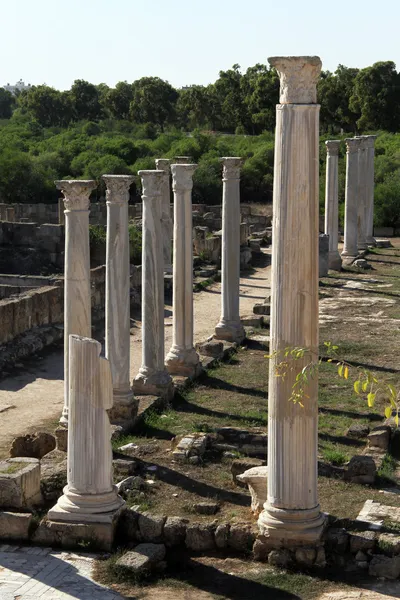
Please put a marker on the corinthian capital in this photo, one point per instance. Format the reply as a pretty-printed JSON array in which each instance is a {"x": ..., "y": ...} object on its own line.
[
  {"x": 182, "y": 177},
  {"x": 151, "y": 183},
  {"x": 162, "y": 164},
  {"x": 76, "y": 193},
  {"x": 332, "y": 147},
  {"x": 231, "y": 167},
  {"x": 352, "y": 144},
  {"x": 298, "y": 77},
  {"x": 117, "y": 191}
]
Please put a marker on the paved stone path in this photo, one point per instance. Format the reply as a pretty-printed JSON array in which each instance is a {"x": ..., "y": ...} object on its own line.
[{"x": 28, "y": 573}]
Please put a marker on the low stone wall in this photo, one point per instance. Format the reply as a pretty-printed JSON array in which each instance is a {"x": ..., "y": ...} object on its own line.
[{"x": 26, "y": 247}]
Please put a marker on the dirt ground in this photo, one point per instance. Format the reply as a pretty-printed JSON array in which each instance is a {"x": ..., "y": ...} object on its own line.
[{"x": 31, "y": 396}]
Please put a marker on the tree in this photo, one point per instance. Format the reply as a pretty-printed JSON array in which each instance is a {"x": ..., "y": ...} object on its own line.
[
  {"x": 153, "y": 101},
  {"x": 117, "y": 100},
  {"x": 228, "y": 90},
  {"x": 49, "y": 106},
  {"x": 376, "y": 96},
  {"x": 334, "y": 93},
  {"x": 85, "y": 101},
  {"x": 194, "y": 107},
  {"x": 7, "y": 103},
  {"x": 260, "y": 87}
]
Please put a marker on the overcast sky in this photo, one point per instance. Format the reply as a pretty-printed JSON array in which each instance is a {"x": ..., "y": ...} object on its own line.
[{"x": 186, "y": 42}]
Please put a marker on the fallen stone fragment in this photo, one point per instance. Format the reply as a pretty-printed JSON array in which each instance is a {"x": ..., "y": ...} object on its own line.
[
  {"x": 199, "y": 537},
  {"x": 384, "y": 566},
  {"x": 380, "y": 437},
  {"x": 357, "y": 431},
  {"x": 256, "y": 478},
  {"x": 206, "y": 508},
  {"x": 143, "y": 559},
  {"x": 36, "y": 445},
  {"x": 151, "y": 527},
  {"x": 361, "y": 469},
  {"x": 175, "y": 531}
]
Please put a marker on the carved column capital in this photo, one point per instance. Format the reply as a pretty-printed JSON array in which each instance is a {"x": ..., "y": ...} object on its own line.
[
  {"x": 298, "y": 77},
  {"x": 76, "y": 193},
  {"x": 370, "y": 141},
  {"x": 117, "y": 191},
  {"x": 182, "y": 177},
  {"x": 163, "y": 164},
  {"x": 182, "y": 160},
  {"x": 151, "y": 183},
  {"x": 332, "y": 147},
  {"x": 352, "y": 145},
  {"x": 231, "y": 167}
]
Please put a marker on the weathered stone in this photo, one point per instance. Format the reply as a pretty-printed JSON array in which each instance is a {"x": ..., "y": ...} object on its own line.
[
  {"x": 19, "y": 482},
  {"x": 305, "y": 556},
  {"x": 61, "y": 435},
  {"x": 206, "y": 508},
  {"x": 362, "y": 540},
  {"x": 69, "y": 535},
  {"x": 337, "y": 540},
  {"x": 389, "y": 543},
  {"x": 361, "y": 556},
  {"x": 245, "y": 257},
  {"x": 36, "y": 445},
  {"x": 261, "y": 309},
  {"x": 361, "y": 263},
  {"x": 189, "y": 446},
  {"x": 380, "y": 437},
  {"x": 151, "y": 527},
  {"x": 256, "y": 478},
  {"x": 175, "y": 531},
  {"x": 212, "y": 348},
  {"x": 128, "y": 526},
  {"x": 383, "y": 566},
  {"x": 53, "y": 477},
  {"x": 130, "y": 483},
  {"x": 252, "y": 321},
  {"x": 361, "y": 469},
  {"x": 279, "y": 558},
  {"x": 199, "y": 537},
  {"x": 240, "y": 537},
  {"x": 357, "y": 431},
  {"x": 14, "y": 526},
  {"x": 240, "y": 465},
  {"x": 222, "y": 536},
  {"x": 143, "y": 558},
  {"x": 320, "y": 559},
  {"x": 124, "y": 467}
]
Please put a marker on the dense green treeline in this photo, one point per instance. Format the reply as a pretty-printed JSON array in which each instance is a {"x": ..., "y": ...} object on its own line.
[{"x": 90, "y": 130}]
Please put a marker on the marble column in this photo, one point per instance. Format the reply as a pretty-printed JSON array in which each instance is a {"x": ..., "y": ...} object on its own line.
[
  {"x": 182, "y": 359},
  {"x": 118, "y": 291},
  {"x": 350, "y": 248},
  {"x": 162, "y": 164},
  {"x": 332, "y": 203},
  {"x": 90, "y": 495},
  {"x": 291, "y": 514},
  {"x": 152, "y": 377},
  {"x": 362, "y": 195},
  {"x": 370, "y": 176},
  {"x": 77, "y": 295},
  {"x": 229, "y": 326}
]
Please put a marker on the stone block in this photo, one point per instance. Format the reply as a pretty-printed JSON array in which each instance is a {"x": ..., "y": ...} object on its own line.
[
  {"x": 361, "y": 469},
  {"x": 380, "y": 437},
  {"x": 213, "y": 348},
  {"x": 362, "y": 540},
  {"x": 123, "y": 467},
  {"x": 357, "y": 431},
  {"x": 61, "y": 435},
  {"x": 240, "y": 537},
  {"x": 383, "y": 566},
  {"x": 36, "y": 445},
  {"x": 143, "y": 559},
  {"x": 337, "y": 540},
  {"x": 151, "y": 527},
  {"x": 206, "y": 508},
  {"x": 14, "y": 526},
  {"x": 305, "y": 556},
  {"x": 7, "y": 320},
  {"x": 279, "y": 558},
  {"x": 128, "y": 527},
  {"x": 252, "y": 321},
  {"x": 389, "y": 543},
  {"x": 175, "y": 531},
  {"x": 199, "y": 537},
  {"x": 190, "y": 446},
  {"x": 19, "y": 482},
  {"x": 99, "y": 536},
  {"x": 261, "y": 309},
  {"x": 221, "y": 536},
  {"x": 240, "y": 465},
  {"x": 256, "y": 478}
]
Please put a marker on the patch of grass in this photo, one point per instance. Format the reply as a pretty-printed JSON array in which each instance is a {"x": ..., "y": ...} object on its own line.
[
  {"x": 387, "y": 469},
  {"x": 335, "y": 457}
]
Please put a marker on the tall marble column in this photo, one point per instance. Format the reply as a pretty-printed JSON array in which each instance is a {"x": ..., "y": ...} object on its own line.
[
  {"x": 370, "y": 175},
  {"x": 291, "y": 514},
  {"x": 152, "y": 377},
  {"x": 229, "y": 326},
  {"x": 162, "y": 164},
  {"x": 77, "y": 295},
  {"x": 350, "y": 248},
  {"x": 182, "y": 359},
  {"x": 332, "y": 203},
  {"x": 362, "y": 195},
  {"x": 118, "y": 290},
  {"x": 90, "y": 495}
]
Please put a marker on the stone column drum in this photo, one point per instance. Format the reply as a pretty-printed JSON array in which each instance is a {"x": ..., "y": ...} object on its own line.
[
  {"x": 370, "y": 175},
  {"x": 292, "y": 515},
  {"x": 362, "y": 195},
  {"x": 332, "y": 203},
  {"x": 90, "y": 495},
  {"x": 162, "y": 164},
  {"x": 152, "y": 377},
  {"x": 182, "y": 359},
  {"x": 350, "y": 249},
  {"x": 77, "y": 296},
  {"x": 229, "y": 327},
  {"x": 118, "y": 294}
]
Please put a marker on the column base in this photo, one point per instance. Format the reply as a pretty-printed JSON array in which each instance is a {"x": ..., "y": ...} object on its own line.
[
  {"x": 371, "y": 242},
  {"x": 230, "y": 331},
  {"x": 183, "y": 362},
  {"x": 86, "y": 508},
  {"x": 334, "y": 261},
  {"x": 348, "y": 259},
  {"x": 155, "y": 384},
  {"x": 291, "y": 528},
  {"x": 124, "y": 409}
]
